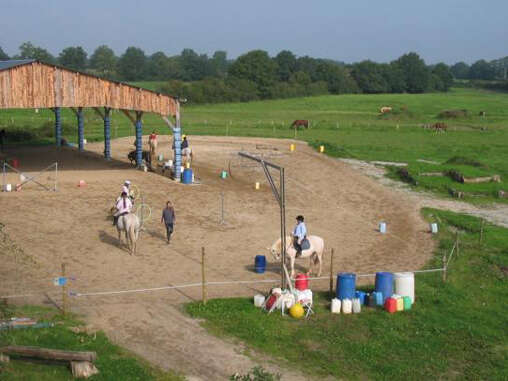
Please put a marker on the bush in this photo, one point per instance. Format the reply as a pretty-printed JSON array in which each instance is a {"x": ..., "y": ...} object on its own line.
[{"x": 449, "y": 114}]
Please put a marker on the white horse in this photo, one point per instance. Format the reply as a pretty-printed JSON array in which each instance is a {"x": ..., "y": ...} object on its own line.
[
  {"x": 314, "y": 253},
  {"x": 129, "y": 223}
]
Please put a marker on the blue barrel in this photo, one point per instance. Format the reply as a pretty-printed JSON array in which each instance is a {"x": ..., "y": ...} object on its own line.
[
  {"x": 346, "y": 284},
  {"x": 362, "y": 296},
  {"x": 384, "y": 284},
  {"x": 260, "y": 264},
  {"x": 187, "y": 176}
]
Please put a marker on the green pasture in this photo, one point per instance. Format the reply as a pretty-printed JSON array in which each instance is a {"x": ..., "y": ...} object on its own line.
[
  {"x": 113, "y": 362},
  {"x": 455, "y": 330},
  {"x": 348, "y": 126}
]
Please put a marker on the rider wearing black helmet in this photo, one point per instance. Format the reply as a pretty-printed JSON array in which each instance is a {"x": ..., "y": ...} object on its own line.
[{"x": 299, "y": 234}]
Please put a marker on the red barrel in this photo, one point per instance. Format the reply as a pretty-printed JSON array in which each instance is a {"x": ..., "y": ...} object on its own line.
[
  {"x": 391, "y": 305},
  {"x": 302, "y": 282},
  {"x": 14, "y": 163}
]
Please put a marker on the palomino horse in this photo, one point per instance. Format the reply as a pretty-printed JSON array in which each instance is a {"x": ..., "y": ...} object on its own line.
[
  {"x": 314, "y": 253},
  {"x": 129, "y": 223},
  {"x": 300, "y": 122}
]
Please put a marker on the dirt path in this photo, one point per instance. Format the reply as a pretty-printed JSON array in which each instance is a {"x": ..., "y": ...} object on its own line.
[
  {"x": 495, "y": 213},
  {"x": 71, "y": 225}
]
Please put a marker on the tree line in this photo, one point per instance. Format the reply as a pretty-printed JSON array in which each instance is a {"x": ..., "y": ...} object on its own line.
[{"x": 252, "y": 76}]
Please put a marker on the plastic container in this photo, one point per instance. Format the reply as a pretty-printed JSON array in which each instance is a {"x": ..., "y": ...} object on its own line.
[
  {"x": 433, "y": 228},
  {"x": 391, "y": 305},
  {"x": 335, "y": 306},
  {"x": 400, "y": 304},
  {"x": 8, "y": 188},
  {"x": 260, "y": 264},
  {"x": 362, "y": 296},
  {"x": 14, "y": 163},
  {"x": 223, "y": 174},
  {"x": 187, "y": 176},
  {"x": 382, "y": 227},
  {"x": 302, "y": 282},
  {"x": 357, "y": 306},
  {"x": 405, "y": 285},
  {"x": 346, "y": 283},
  {"x": 371, "y": 302},
  {"x": 347, "y": 306},
  {"x": 384, "y": 284},
  {"x": 259, "y": 300},
  {"x": 407, "y": 303}
]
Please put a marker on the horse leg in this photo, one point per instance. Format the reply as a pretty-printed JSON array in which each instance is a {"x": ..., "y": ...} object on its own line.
[
  {"x": 309, "y": 271},
  {"x": 320, "y": 259},
  {"x": 292, "y": 261}
]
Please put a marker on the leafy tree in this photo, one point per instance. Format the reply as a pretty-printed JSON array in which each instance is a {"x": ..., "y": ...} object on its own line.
[
  {"x": 415, "y": 72},
  {"x": 194, "y": 67},
  {"x": 460, "y": 70},
  {"x": 301, "y": 78},
  {"x": 157, "y": 67},
  {"x": 3, "y": 55},
  {"x": 338, "y": 78},
  {"x": 286, "y": 65},
  {"x": 220, "y": 63},
  {"x": 103, "y": 61},
  {"x": 394, "y": 78},
  {"x": 29, "y": 50},
  {"x": 442, "y": 71},
  {"x": 369, "y": 77},
  {"x": 132, "y": 64},
  {"x": 256, "y": 66},
  {"x": 481, "y": 69},
  {"x": 73, "y": 58},
  {"x": 308, "y": 65}
]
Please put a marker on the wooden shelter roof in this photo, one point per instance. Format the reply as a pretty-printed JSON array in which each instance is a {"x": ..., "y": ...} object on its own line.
[{"x": 34, "y": 84}]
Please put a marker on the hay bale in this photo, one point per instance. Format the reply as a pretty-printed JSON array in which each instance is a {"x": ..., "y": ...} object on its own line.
[{"x": 452, "y": 114}]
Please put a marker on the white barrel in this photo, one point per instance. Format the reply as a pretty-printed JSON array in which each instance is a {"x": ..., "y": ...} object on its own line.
[
  {"x": 382, "y": 227},
  {"x": 259, "y": 300},
  {"x": 347, "y": 306},
  {"x": 335, "y": 306},
  {"x": 405, "y": 285},
  {"x": 433, "y": 228},
  {"x": 8, "y": 188},
  {"x": 357, "y": 307}
]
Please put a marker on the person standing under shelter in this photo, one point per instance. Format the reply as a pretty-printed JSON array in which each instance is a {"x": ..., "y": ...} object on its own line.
[{"x": 168, "y": 218}]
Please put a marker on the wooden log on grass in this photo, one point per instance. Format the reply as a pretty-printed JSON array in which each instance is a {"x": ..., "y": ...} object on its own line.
[
  {"x": 49, "y": 354},
  {"x": 485, "y": 179}
]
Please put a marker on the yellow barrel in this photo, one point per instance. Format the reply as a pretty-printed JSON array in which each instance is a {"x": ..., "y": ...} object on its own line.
[
  {"x": 257, "y": 185},
  {"x": 321, "y": 149},
  {"x": 292, "y": 147}
]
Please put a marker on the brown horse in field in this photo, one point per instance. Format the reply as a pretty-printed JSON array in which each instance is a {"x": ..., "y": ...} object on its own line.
[{"x": 300, "y": 122}]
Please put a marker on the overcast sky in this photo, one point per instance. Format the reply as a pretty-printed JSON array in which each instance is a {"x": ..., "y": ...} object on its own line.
[{"x": 350, "y": 31}]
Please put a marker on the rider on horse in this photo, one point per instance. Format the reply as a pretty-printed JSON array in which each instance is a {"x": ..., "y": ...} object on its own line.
[
  {"x": 299, "y": 235},
  {"x": 123, "y": 207}
]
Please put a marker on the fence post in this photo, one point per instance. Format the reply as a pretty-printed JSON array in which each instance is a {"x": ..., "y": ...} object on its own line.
[
  {"x": 331, "y": 273},
  {"x": 64, "y": 292},
  {"x": 444, "y": 268},
  {"x": 203, "y": 278},
  {"x": 481, "y": 231}
]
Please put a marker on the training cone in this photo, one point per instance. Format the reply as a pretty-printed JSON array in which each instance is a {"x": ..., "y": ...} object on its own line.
[{"x": 296, "y": 311}]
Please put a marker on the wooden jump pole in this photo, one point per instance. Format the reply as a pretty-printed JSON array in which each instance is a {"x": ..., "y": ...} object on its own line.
[
  {"x": 64, "y": 291},
  {"x": 444, "y": 268},
  {"x": 331, "y": 272},
  {"x": 203, "y": 277}
]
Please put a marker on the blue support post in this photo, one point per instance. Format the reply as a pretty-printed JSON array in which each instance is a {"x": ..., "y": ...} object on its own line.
[
  {"x": 139, "y": 141},
  {"x": 177, "y": 146},
  {"x": 58, "y": 127},
  {"x": 107, "y": 133},
  {"x": 81, "y": 130}
]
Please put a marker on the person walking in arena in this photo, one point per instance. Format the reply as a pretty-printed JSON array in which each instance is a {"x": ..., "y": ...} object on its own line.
[{"x": 168, "y": 218}]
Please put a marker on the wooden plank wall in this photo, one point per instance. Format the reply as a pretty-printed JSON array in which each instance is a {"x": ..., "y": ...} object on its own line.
[{"x": 38, "y": 85}]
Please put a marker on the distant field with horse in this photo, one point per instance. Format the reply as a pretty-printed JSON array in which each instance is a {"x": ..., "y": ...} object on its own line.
[{"x": 348, "y": 126}]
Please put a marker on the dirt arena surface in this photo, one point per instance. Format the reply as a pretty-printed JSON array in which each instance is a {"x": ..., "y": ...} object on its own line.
[{"x": 72, "y": 226}]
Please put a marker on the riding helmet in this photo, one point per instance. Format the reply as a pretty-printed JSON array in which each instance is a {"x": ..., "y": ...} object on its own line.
[{"x": 299, "y": 218}]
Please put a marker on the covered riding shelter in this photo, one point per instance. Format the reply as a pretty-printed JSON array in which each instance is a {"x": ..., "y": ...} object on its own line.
[{"x": 37, "y": 85}]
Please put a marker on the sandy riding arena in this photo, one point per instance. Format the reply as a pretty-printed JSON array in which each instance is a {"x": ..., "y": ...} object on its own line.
[{"x": 72, "y": 226}]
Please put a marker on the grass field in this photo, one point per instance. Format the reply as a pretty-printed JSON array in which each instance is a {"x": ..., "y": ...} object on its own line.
[
  {"x": 455, "y": 330},
  {"x": 348, "y": 126},
  {"x": 112, "y": 362}
]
